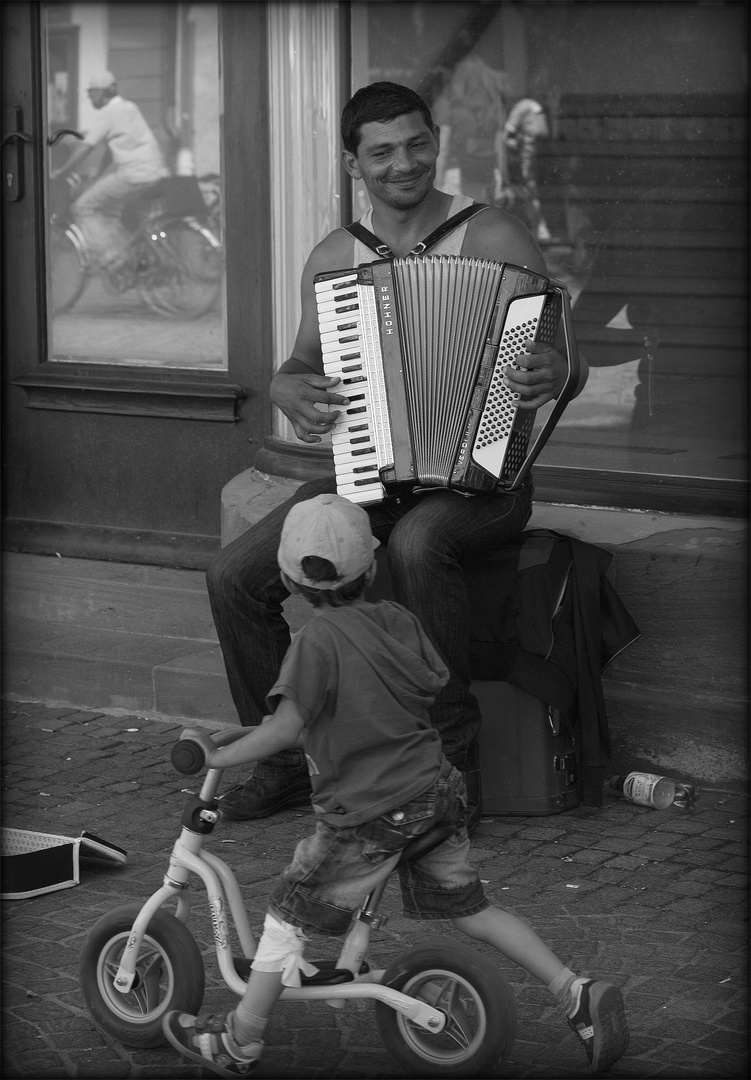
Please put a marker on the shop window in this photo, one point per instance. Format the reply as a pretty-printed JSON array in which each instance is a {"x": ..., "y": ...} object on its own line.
[
  {"x": 633, "y": 119},
  {"x": 134, "y": 225}
]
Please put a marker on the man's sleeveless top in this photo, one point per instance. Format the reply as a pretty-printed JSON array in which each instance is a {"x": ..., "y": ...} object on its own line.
[{"x": 449, "y": 245}]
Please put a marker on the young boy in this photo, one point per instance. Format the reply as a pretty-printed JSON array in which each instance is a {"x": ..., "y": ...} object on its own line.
[{"x": 354, "y": 690}]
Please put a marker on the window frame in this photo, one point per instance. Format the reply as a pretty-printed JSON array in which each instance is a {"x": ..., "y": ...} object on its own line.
[{"x": 101, "y": 386}]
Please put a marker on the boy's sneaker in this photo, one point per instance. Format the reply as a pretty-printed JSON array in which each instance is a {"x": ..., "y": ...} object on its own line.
[
  {"x": 208, "y": 1041},
  {"x": 598, "y": 1019}
]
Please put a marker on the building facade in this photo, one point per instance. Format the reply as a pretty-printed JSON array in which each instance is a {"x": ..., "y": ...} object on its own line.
[{"x": 122, "y": 425}]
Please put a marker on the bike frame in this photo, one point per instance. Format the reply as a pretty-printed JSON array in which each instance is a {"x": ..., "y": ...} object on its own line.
[
  {"x": 150, "y": 229},
  {"x": 188, "y": 858}
]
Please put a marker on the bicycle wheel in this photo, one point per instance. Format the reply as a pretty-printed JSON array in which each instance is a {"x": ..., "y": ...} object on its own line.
[
  {"x": 67, "y": 270},
  {"x": 169, "y": 975},
  {"x": 179, "y": 269},
  {"x": 478, "y": 1003}
]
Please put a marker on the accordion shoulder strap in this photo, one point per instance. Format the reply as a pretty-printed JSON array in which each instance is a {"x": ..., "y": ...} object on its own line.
[{"x": 365, "y": 236}]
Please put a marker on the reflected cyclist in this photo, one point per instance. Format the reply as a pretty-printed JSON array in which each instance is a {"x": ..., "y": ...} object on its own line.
[{"x": 137, "y": 163}]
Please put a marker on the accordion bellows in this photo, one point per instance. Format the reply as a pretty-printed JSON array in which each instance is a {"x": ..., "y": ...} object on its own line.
[{"x": 421, "y": 345}]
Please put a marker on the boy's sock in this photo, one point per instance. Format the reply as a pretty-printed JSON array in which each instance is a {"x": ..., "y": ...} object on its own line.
[
  {"x": 560, "y": 987},
  {"x": 246, "y": 1027}
]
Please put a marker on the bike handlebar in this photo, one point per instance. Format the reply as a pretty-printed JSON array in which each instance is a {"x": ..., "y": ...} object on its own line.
[
  {"x": 57, "y": 135},
  {"x": 188, "y": 755}
]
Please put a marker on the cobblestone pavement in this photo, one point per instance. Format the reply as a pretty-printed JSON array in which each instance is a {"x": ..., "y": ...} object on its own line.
[{"x": 655, "y": 901}]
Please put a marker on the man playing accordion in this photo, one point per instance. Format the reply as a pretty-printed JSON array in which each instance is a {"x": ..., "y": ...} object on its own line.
[{"x": 391, "y": 144}]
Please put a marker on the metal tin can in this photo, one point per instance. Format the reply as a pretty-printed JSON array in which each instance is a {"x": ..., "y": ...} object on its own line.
[{"x": 648, "y": 789}]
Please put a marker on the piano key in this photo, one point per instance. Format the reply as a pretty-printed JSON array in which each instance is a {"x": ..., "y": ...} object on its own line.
[
  {"x": 366, "y": 496},
  {"x": 353, "y": 481},
  {"x": 350, "y": 415},
  {"x": 336, "y": 350},
  {"x": 350, "y": 429},
  {"x": 348, "y": 438},
  {"x": 356, "y": 453},
  {"x": 344, "y": 332},
  {"x": 329, "y": 284},
  {"x": 349, "y": 370},
  {"x": 331, "y": 317},
  {"x": 342, "y": 434},
  {"x": 345, "y": 302},
  {"x": 362, "y": 493}
]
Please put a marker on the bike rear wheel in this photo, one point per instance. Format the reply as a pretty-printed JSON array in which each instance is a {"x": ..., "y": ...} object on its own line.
[
  {"x": 67, "y": 270},
  {"x": 179, "y": 269}
]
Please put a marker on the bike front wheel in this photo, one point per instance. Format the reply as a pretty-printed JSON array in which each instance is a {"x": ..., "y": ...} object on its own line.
[
  {"x": 476, "y": 999},
  {"x": 67, "y": 270},
  {"x": 179, "y": 269},
  {"x": 169, "y": 975}
]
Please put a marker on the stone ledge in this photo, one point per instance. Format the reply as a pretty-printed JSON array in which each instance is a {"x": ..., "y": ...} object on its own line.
[
  {"x": 677, "y": 699},
  {"x": 250, "y": 495}
]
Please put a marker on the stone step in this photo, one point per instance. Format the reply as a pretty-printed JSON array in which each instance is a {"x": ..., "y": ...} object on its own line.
[
  {"x": 594, "y": 327},
  {"x": 663, "y": 285},
  {"x": 644, "y": 213},
  {"x": 728, "y": 315},
  {"x": 640, "y": 171},
  {"x": 113, "y": 636},
  {"x": 148, "y": 600},
  {"x": 720, "y": 263},
  {"x": 108, "y": 669},
  {"x": 615, "y": 195},
  {"x": 683, "y": 353},
  {"x": 674, "y": 239}
]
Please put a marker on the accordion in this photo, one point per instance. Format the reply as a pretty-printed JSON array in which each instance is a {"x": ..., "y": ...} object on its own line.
[{"x": 421, "y": 345}]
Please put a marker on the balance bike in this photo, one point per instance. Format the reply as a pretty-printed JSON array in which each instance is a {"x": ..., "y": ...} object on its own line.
[{"x": 442, "y": 1009}]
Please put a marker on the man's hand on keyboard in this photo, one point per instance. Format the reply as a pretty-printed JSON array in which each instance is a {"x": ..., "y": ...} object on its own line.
[{"x": 297, "y": 396}]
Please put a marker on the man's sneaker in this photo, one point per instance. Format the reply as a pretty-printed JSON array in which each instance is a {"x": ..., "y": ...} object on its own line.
[
  {"x": 260, "y": 797},
  {"x": 598, "y": 1019},
  {"x": 208, "y": 1041}
]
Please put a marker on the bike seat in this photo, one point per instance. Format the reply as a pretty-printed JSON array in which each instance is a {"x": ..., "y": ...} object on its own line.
[
  {"x": 327, "y": 975},
  {"x": 172, "y": 196},
  {"x": 421, "y": 845}
]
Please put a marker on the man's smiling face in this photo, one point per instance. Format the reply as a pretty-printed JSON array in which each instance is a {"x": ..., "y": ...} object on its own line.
[{"x": 396, "y": 160}]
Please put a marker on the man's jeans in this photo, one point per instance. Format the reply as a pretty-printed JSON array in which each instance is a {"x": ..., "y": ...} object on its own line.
[{"x": 430, "y": 537}]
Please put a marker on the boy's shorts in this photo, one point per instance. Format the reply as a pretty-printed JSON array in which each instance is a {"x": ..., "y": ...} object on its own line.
[{"x": 334, "y": 870}]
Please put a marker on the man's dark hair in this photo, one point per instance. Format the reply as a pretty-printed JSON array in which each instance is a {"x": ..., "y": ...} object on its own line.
[
  {"x": 317, "y": 569},
  {"x": 379, "y": 103}
]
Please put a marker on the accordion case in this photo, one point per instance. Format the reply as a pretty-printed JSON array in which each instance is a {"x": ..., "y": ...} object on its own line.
[{"x": 528, "y": 757}]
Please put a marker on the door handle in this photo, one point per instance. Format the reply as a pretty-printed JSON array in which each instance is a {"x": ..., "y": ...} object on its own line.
[
  {"x": 11, "y": 148},
  {"x": 16, "y": 135}
]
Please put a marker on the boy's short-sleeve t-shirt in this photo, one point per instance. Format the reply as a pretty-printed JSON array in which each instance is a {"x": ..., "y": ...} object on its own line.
[{"x": 363, "y": 677}]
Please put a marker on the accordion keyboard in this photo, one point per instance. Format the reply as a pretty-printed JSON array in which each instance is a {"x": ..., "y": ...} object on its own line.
[{"x": 361, "y": 437}]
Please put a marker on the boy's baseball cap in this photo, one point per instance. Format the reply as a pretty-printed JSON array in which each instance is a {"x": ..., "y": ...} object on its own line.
[
  {"x": 332, "y": 528},
  {"x": 101, "y": 80}
]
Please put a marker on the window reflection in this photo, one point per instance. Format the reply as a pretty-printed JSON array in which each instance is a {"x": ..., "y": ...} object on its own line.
[
  {"x": 618, "y": 133},
  {"x": 135, "y": 264}
]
